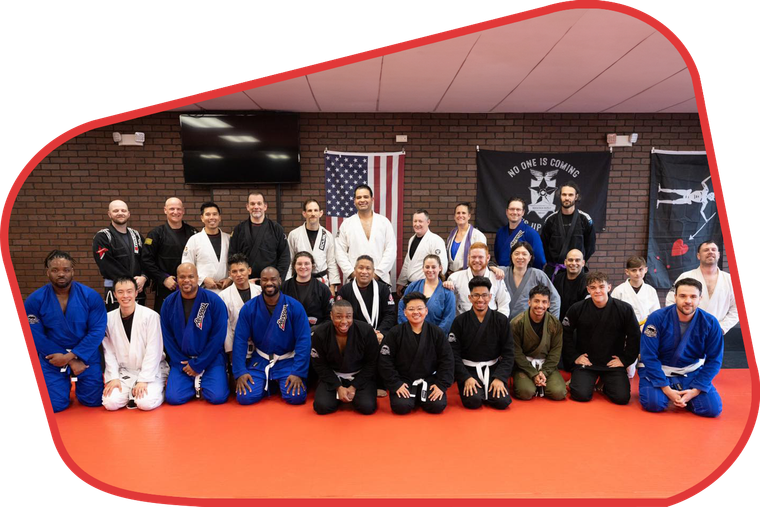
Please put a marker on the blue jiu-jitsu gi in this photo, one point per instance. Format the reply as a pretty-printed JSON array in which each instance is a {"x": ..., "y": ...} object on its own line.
[
  {"x": 200, "y": 342},
  {"x": 502, "y": 249},
  {"x": 283, "y": 346},
  {"x": 442, "y": 305},
  {"x": 80, "y": 331},
  {"x": 681, "y": 362}
]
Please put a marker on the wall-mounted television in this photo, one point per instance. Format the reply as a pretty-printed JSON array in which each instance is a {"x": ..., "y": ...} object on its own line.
[{"x": 251, "y": 147}]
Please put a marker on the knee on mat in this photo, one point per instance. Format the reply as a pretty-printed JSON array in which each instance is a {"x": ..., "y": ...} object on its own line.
[
  {"x": 147, "y": 404},
  {"x": 402, "y": 407},
  {"x": 525, "y": 393},
  {"x": 619, "y": 398},
  {"x": 556, "y": 394},
  {"x": 653, "y": 404},
  {"x": 434, "y": 407},
  {"x": 579, "y": 395},
  {"x": 500, "y": 403},
  {"x": 365, "y": 407},
  {"x": 322, "y": 408},
  {"x": 473, "y": 402},
  {"x": 112, "y": 404}
]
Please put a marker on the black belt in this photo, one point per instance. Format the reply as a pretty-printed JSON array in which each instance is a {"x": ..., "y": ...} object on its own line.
[{"x": 319, "y": 274}]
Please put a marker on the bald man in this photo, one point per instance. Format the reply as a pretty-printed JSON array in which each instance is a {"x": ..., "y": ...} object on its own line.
[
  {"x": 162, "y": 251},
  {"x": 194, "y": 325},
  {"x": 117, "y": 250}
]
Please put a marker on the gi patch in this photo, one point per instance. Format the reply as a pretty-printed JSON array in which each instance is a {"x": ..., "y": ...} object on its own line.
[
  {"x": 385, "y": 350},
  {"x": 102, "y": 252},
  {"x": 650, "y": 331},
  {"x": 438, "y": 251},
  {"x": 314, "y": 354},
  {"x": 390, "y": 300},
  {"x": 148, "y": 241},
  {"x": 323, "y": 242},
  {"x": 452, "y": 337},
  {"x": 565, "y": 321},
  {"x": 186, "y": 250},
  {"x": 198, "y": 320},
  {"x": 283, "y": 317},
  {"x": 33, "y": 319}
]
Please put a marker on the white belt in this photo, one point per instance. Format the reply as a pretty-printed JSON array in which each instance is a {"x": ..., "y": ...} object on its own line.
[
  {"x": 538, "y": 364},
  {"x": 197, "y": 381},
  {"x": 483, "y": 369},
  {"x": 346, "y": 376},
  {"x": 670, "y": 371},
  {"x": 273, "y": 358},
  {"x": 424, "y": 388},
  {"x": 65, "y": 369}
]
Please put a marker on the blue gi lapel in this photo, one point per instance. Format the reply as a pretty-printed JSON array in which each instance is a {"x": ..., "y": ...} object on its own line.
[
  {"x": 194, "y": 324},
  {"x": 266, "y": 327},
  {"x": 680, "y": 341}
]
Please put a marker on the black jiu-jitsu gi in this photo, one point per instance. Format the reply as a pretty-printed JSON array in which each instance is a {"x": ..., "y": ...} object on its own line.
[
  {"x": 386, "y": 314},
  {"x": 265, "y": 246},
  {"x": 562, "y": 233},
  {"x": 117, "y": 256},
  {"x": 570, "y": 291},
  {"x": 162, "y": 254},
  {"x": 316, "y": 298},
  {"x": 354, "y": 367},
  {"x": 483, "y": 351},
  {"x": 419, "y": 361}
]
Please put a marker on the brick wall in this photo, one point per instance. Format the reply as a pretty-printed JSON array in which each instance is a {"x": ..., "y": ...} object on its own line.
[{"x": 64, "y": 201}]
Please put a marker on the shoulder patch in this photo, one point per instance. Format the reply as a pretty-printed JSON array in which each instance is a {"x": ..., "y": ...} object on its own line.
[
  {"x": 565, "y": 321},
  {"x": 314, "y": 354},
  {"x": 650, "y": 331},
  {"x": 438, "y": 251},
  {"x": 148, "y": 240},
  {"x": 33, "y": 319},
  {"x": 452, "y": 337},
  {"x": 385, "y": 350},
  {"x": 186, "y": 249},
  {"x": 390, "y": 300}
]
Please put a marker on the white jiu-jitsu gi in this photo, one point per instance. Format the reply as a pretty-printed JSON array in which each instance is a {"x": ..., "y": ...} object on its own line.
[
  {"x": 499, "y": 295},
  {"x": 412, "y": 268},
  {"x": 644, "y": 302},
  {"x": 234, "y": 304},
  {"x": 459, "y": 261},
  {"x": 381, "y": 246},
  {"x": 323, "y": 251},
  {"x": 721, "y": 305},
  {"x": 200, "y": 252},
  {"x": 138, "y": 359}
]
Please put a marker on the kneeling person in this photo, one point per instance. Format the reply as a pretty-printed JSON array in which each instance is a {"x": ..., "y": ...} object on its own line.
[
  {"x": 681, "y": 352},
  {"x": 281, "y": 335},
  {"x": 344, "y": 355},
  {"x": 415, "y": 361},
  {"x": 194, "y": 325},
  {"x": 480, "y": 339},
  {"x": 538, "y": 348},
  {"x": 135, "y": 370}
]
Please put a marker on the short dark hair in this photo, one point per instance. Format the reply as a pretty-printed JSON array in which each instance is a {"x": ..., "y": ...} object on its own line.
[
  {"x": 423, "y": 212},
  {"x": 238, "y": 258},
  {"x": 256, "y": 193},
  {"x": 517, "y": 199},
  {"x": 307, "y": 201},
  {"x": 688, "y": 281},
  {"x": 596, "y": 276},
  {"x": 413, "y": 296},
  {"x": 541, "y": 290},
  {"x": 210, "y": 204},
  {"x": 124, "y": 279},
  {"x": 365, "y": 257},
  {"x": 708, "y": 242},
  {"x": 525, "y": 245},
  {"x": 634, "y": 262},
  {"x": 297, "y": 256},
  {"x": 479, "y": 281},
  {"x": 58, "y": 254},
  {"x": 363, "y": 186},
  {"x": 342, "y": 303},
  {"x": 463, "y": 203},
  {"x": 572, "y": 184}
]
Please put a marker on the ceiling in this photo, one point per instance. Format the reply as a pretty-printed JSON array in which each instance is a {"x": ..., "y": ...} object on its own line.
[{"x": 579, "y": 60}]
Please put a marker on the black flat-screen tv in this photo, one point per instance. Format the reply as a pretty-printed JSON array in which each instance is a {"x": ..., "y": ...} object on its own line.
[{"x": 254, "y": 147}]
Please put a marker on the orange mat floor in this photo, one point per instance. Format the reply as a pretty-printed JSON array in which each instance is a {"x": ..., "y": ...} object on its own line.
[{"x": 534, "y": 449}]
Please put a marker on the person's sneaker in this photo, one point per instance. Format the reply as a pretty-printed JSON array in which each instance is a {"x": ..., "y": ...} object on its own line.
[
  {"x": 382, "y": 393},
  {"x": 131, "y": 404}
]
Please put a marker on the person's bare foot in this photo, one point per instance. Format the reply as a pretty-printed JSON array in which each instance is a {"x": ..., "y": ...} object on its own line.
[{"x": 382, "y": 393}]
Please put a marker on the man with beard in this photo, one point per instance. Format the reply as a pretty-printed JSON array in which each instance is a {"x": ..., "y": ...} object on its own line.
[
  {"x": 566, "y": 229},
  {"x": 319, "y": 242},
  {"x": 344, "y": 355},
  {"x": 162, "y": 251},
  {"x": 422, "y": 244},
  {"x": 681, "y": 352},
  {"x": 208, "y": 249},
  {"x": 117, "y": 250},
  {"x": 416, "y": 362},
  {"x": 260, "y": 239},
  {"x": 571, "y": 283},
  {"x": 68, "y": 322},
  {"x": 458, "y": 281},
  {"x": 480, "y": 339},
  {"x": 194, "y": 325},
  {"x": 516, "y": 230},
  {"x": 718, "y": 296},
  {"x": 281, "y": 335}
]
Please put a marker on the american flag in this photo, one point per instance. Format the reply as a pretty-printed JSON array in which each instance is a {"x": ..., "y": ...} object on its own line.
[{"x": 383, "y": 172}]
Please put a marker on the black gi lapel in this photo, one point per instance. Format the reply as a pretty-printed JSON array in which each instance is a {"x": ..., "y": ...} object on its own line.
[{"x": 567, "y": 238}]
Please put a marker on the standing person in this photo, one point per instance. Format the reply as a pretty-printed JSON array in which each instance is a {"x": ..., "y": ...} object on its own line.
[
  {"x": 478, "y": 258},
  {"x": 571, "y": 282},
  {"x": 441, "y": 302},
  {"x": 136, "y": 368},
  {"x": 682, "y": 351},
  {"x": 281, "y": 335},
  {"x": 567, "y": 229},
  {"x": 423, "y": 243},
  {"x": 366, "y": 233},
  {"x": 516, "y": 230},
  {"x": 538, "y": 348},
  {"x": 344, "y": 355},
  {"x": 521, "y": 277},
  {"x": 600, "y": 340},
  {"x": 319, "y": 242},
  {"x": 242, "y": 290},
  {"x": 371, "y": 299},
  {"x": 461, "y": 238},
  {"x": 416, "y": 362},
  {"x": 480, "y": 339},
  {"x": 194, "y": 326},
  {"x": 208, "y": 250},
  {"x": 68, "y": 322},
  {"x": 260, "y": 239},
  {"x": 162, "y": 251},
  {"x": 314, "y": 295},
  {"x": 718, "y": 296},
  {"x": 117, "y": 250}
]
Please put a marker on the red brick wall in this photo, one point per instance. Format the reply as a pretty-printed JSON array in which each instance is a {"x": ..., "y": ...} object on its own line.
[{"x": 64, "y": 201}]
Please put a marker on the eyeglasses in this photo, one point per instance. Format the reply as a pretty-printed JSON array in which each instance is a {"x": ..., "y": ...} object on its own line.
[
  {"x": 481, "y": 296},
  {"x": 415, "y": 308}
]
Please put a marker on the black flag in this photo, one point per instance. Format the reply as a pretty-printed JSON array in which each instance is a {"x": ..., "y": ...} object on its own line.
[{"x": 682, "y": 214}]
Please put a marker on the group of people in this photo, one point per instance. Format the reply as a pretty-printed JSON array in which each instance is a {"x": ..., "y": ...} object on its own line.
[{"x": 224, "y": 320}]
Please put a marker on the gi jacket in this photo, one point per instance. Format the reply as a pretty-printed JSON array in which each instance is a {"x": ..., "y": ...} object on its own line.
[
  {"x": 317, "y": 302},
  {"x": 112, "y": 256},
  {"x": 403, "y": 359},
  {"x": 478, "y": 341},
  {"x": 386, "y": 317},
  {"x": 270, "y": 248},
  {"x": 558, "y": 241},
  {"x": 360, "y": 354},
  {"x": 548, "y": 346},
  {"x": 162, "y": 253}
]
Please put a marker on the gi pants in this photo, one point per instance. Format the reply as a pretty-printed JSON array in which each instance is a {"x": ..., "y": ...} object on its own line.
[
  {"x": 258, "y": 393},
  {"x": 617, "y": 387},
  {"x": 89, "y": 385},
  {"x": 477, "y": 400},
  {"x": 152, "y": 399},
  {"x": 706, "y": 403},
  {"x": 180, "y": 387},
  {"x": 403, "y": 406},
  {"x": 525, "y": 388},
  {"x": 364, "y": 402}
]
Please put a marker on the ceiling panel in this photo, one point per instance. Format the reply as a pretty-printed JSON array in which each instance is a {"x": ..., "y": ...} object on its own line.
[
  {"x": 290, "y": 95},
  {"x": 668, "y": 93},
  {"x": 235, "y": 101},
  {"x": 687, "y": 106},
  {"x": 349, "y": 88}
]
